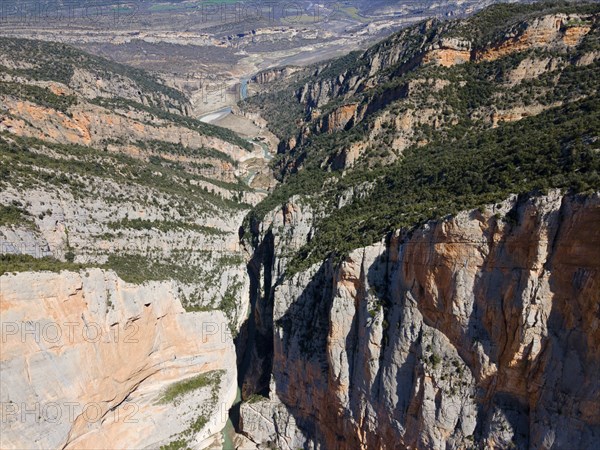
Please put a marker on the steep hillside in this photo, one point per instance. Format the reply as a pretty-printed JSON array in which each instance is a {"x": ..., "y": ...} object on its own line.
[
  {"x": 454, "y": 135},
  {"x": 426, "y": 275},
  {"x": 54, "y": 65},
  {"x": 60, "y": 94},
  {"x": 119, "y": 218},
  {"x": 509, "y": 62},
  {"x": 477, "y": 331},
  {"x": 100, "y": 166}
]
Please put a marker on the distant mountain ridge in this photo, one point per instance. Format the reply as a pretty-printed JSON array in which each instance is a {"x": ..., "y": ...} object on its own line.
[{"x": 505, "y": 45}]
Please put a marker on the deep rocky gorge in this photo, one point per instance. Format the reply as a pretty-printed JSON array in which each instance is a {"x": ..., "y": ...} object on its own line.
[{"x": 152, "y": 296}]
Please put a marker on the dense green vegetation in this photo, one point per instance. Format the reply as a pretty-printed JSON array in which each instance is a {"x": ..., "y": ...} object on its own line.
[
  {"x": 493, "y": 21},
  {"x": 179, "y": 389},
  {"x": 27, "y": 263},
  {"x": 163, "y": 225},
  {"x": 138, "y": 269},
  {"x": 38, "y": 95},
  {"x": 557, "y": 149},
  {"x": 14, "y": 215},
  {"x": 51, "y": 61}
]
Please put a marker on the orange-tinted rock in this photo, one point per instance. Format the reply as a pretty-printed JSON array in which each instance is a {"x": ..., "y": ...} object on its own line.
[
  {"x": 104, "y": 353},
  {"x": 476, "y": 330},
  {"x": 447, "y": 57}
]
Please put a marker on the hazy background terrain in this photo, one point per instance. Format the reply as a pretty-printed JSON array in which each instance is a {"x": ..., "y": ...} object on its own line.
[{"x": 208, "y": 48}]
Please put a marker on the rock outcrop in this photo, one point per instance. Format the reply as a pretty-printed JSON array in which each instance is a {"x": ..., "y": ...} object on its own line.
[
  {"x": 270, "y": 75},
  {"x": 91, "y": 125},
  {"x": 398, "y": 78},
  {"x": 551, "y": 31},
  {"x": 89, "y": 361},
  {"x": 478, "y": 330},
  {"x": 448, "y": 52},
  {"x": 482, "y": 329},
  {"x": 339, "y": 118}
]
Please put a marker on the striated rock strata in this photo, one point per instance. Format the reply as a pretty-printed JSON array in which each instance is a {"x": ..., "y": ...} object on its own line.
[
  {"x": 483, "y": 329},
  {"x": 87, "y": 360}
]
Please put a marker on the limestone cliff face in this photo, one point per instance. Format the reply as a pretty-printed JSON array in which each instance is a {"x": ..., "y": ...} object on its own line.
[
  {"x": 430, "y": 43},
  {"x": 91, "y": 125},
  {"x": 448, "y": 52},
  {"x": 396, "y": 80},
  {"x": 476, "y": 330},
  {"x": 60, "y": 221},
  {"x": 87, "y": 360},
  {"x": 556, "y": 30},
  {"x": 338, "y": 119},
  {"x": 270, "y": 75}
]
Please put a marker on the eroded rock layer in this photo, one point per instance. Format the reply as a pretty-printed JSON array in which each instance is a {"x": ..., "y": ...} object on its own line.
[
  {"x": 482, "y": 329},
  {"x": 89, "y": 361}
]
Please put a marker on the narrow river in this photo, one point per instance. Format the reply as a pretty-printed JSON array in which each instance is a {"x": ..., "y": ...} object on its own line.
[{"x": 229, "y": 430}]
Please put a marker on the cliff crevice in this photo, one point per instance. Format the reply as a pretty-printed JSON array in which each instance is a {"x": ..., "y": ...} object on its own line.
[{"x": 471, "y": 330}]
